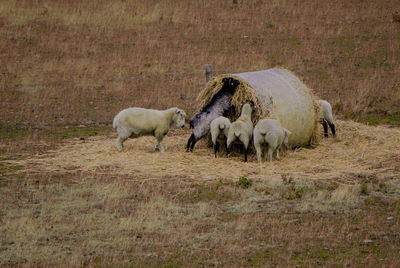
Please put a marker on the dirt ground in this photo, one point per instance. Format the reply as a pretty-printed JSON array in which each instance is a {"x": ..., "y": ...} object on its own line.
[{"x": 87, "y": 204}]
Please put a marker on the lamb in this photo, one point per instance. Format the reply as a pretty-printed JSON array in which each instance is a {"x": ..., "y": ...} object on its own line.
[
  {"x": 136, "y": 122},
  {"x": 219, "y": 129},
  {"x": 242, "y": 129},
  {"x": 325, "y": 115},
  {"x": 270, "y": 132}
]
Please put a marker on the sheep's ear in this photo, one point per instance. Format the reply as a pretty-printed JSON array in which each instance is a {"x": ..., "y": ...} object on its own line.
[
  {"x": 287, "y": 132},
  {"x": 178, "y": 111},
  {"x": 225, "y": 79}
]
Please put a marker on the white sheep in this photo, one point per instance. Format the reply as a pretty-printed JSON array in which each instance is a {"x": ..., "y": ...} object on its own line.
[
  {"x": 219, "y": 129},
  {"x": 136, "y": 122},
  {"x": 270, "y": 133},
  {"x": 242, "y": 129},
  {"x": 326, "y": 117}
]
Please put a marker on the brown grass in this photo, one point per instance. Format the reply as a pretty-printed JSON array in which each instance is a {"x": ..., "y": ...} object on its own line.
[
  {"x": 80, "y": 203},
  {"x": 85, "y": 203},
  {"x": 108, "y": 55}
]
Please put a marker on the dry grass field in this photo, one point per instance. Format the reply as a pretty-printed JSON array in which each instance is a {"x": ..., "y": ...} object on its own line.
[{"x": 68, "y": 198}]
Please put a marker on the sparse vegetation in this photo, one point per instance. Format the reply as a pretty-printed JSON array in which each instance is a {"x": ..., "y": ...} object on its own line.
[
  {"x": 364, "y": 189},
  {"x": 67, "y": 199},
  {"x": 244, "y": 182}
]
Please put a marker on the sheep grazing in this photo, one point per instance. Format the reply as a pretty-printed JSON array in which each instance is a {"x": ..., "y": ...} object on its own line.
[
  {"x": 217, "y": 106},
  {"x": 137, "y": 122},
  {"x": 242, "y": 129},
  {"x": 270, "y": 132},
  {"x": 326, "y": 118},
  {"x": 219, "y": 129}
]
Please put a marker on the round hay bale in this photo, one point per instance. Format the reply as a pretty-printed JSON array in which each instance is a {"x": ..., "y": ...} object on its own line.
[{"x": 276, "y": 93}]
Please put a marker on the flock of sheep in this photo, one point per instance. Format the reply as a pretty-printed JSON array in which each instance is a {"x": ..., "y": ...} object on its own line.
[{"x": 268, "y": 135}]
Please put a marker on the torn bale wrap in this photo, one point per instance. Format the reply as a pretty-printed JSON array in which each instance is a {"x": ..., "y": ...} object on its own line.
[{"x": 276, "y": 93}]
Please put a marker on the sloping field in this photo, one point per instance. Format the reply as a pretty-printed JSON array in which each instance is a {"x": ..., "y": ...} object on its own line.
[{"x": 86, "y": 204}]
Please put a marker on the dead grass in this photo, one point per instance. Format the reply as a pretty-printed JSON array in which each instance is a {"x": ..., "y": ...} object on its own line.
[
  {"x": 86, "y": 204},
  {"x": 80, "y": 203},
  {"x": 106, "y": 55}
]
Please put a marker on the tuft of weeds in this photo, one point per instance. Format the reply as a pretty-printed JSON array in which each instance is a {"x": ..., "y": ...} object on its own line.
[
  {"x": 244, "y": 182},
  {"x": 364, "y": 189}
]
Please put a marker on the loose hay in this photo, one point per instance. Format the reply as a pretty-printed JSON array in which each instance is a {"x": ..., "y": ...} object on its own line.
[
  {"x": 276, "y": 93},
  {"x": 244, "y": 93},
  {"x": 359, "y": 153}
]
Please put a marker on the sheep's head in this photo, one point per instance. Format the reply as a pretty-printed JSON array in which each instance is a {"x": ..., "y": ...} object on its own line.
[
  {"x": 230, "y": 84},
  {"x": 179, "y": 118},
  {"x": 247, "y": 109},
  {"x": 200, "y": 123},
  {"x": 286, "y": 139}
]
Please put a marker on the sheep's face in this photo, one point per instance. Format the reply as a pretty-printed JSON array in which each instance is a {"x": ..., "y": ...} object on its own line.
[
  {"x": 200, "y": 123},
  {"x": 230, "y": 84},
  {"x": 179, "y": 118}
]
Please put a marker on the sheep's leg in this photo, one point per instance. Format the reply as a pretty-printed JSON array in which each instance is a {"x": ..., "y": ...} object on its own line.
[
  {"x": 332, "y": 126},
  {"x": 325, "y": 124},
  {"x": 159, "y": 146},
  {"x": 277, "y": 153},
  {"x": 123, "y": 135},
  {"x": 189, "y": 143},
  {"x": 265, "y": 151},
  {"x": 245, "y": 141},
  {"x": 193, "y": 143},
  {"x": 269, "y": 154},
  {"x": 227, "y": 149},
  {"x": 216, "y": 147},
  {"x": 258, "y": 152},
  {"x": 119, "y": 143}
]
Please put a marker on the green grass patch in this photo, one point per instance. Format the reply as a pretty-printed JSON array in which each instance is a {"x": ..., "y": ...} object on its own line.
[
  {"x": 208, "y": 192},
  {"x": 364, "y": 189},
  {"x": 244, "y": 182},
  {"x": 7, "y": 133},
  {"x": 378, "y": 120},
  {"x": 78, "y": 133}
]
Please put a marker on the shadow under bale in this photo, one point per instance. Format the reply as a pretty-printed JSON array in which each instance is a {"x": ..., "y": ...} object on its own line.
[{"x": 276, "y": 93}]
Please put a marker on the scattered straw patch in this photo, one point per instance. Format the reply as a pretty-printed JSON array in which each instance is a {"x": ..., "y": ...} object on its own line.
[{"x": 358, "y": 149}]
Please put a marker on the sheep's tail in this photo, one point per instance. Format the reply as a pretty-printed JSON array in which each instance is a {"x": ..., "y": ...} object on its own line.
[
  {"x": 237, "y": 134},
  {"x": 222, "y": 126},
  {"x": 263, "y": 132}
]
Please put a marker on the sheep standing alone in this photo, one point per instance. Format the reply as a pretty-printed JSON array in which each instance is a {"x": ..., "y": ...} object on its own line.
[
  {"x": 270, "y": 132},
  {"x": 219, "y": 129},
  {"x": 136, "y": 122},
  {"x": 242, "y": 129},
  {"x": 326, "y": 117}
]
